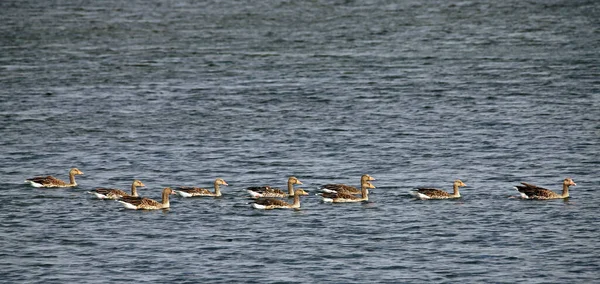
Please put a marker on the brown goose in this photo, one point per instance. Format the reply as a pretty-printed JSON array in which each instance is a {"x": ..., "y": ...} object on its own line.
[
  {"x": 188, "y": 191},
  {"x": 147, "y": 203},
  {"x": 272, "y": 203},
  {"x": 50, "y": 181},
  {"x": 115, "y": 193},
  {"x": 267, "y": 191},
  {"x": 434, "y": 193},
  {"x": 343, "y": 188},
  {"x": 530, "y": 191},
  {"x": 342, "y": 197}
]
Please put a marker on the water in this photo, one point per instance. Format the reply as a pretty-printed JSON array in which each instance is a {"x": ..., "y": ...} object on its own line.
[{"x": 415, "y": 93}]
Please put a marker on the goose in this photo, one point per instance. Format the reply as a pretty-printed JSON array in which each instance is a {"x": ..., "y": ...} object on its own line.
[
  {"x": 343, "y": 197},
  {"x": 50, "y": 181},
  {"x": 530, "y": 191},
  {"x": 273, "y": 203},
  {"x": 147, "y": 203},
  {"x": 267, "y": 191},
  {"x": 343, "y": 188},
  {"x": 434, "y": 193},
  {"x": 114, "y": 193},
  {"x": 188, "y": 191}
]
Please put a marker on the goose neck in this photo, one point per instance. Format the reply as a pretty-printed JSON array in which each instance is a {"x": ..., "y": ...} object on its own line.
[
  {"x": 290, "y": 186},
  {"x": 165, "y": 199},
  {"x": 456, "y": 193},
  {"x": 565, "y": 191},
  {"x": 134, "y": 190},
  {"x": 364, "y": 192},
  {"x": 217, "y": 189},
  {"x": 72, "y": 179},
  {"x": 296, "y": 201}
]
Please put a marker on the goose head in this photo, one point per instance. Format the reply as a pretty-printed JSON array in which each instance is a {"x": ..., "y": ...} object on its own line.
[
  {"x": 569, "y": 182},
  {"x": 365, "y": 178},
  {"x": 137, "y": 182},
  {"x": 459, "y": 183},
  {"x": 294, "y": 180},
  {"x": 369, "y": 185},
  {"x": 168, "y": 191},
  {"x": 299, "y": 192},
  {"x": 75, "y": 171},
  {"x": 220, "y": 181}
]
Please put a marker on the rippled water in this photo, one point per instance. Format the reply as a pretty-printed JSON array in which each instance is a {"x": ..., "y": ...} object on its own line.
[{"x": 414, "y": 93}]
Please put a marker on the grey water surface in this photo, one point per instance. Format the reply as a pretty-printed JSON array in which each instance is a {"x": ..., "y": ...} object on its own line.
[{"x": 414, "y": 93}]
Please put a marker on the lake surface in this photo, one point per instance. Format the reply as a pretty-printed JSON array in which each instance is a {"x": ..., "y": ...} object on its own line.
[{"x": 414, "y": 93}]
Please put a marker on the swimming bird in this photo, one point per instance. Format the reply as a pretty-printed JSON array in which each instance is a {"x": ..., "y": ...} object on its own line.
[
  {"x": 50, "y": 181},
  {"x": 273, "y": 203},
  {"x": 434, "y": 193},
  {"x": 267, "y": 191},
  {"x": 343, "y": 188},
  {"x": 530, "y": 191},
  {"x": 115, "y": 193},
  {"x": 341, "y": 197},
  {"x": 147, "y": 203},
  {"x": 188, "y": 191}
]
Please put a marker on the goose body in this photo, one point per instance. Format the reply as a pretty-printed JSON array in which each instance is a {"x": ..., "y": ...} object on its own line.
[
  {"x": 188, "y": 191},
  {"x": 50, "y": 181},
  {"x": 530, "y": 191},
  {"x": 434, "y": 193},
  {"x": 273, "y": 203},
  {"x": 115, "y": 193},
  {"x": 344, "y": 197},
  {"x": 267, "y": 191},
  {"x": 147, "y": 203},
  {"x": 343, "y": 188}
]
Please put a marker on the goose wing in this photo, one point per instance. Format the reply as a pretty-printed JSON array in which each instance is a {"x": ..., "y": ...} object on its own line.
[
  {"x": 47, "y": 180},
  {"x": 147, "y": 202},
  {"x": 433, "y": 192},
  {"x": 534, "y": 191},
  {"x": 341, "y": 188},
  {"x": 338, "y": 186},
  {"x": 271, "y": 202},
  {"x": 275, "y": 191},
  {"x": 140, "y": 202},
  {"x": 128, "y": 198},
  {"x": 109, "y": 193},
  {"x": 351, "y": 190},
  {"x": 193, "y": 190},
  {"x": 113, "y": 191},
  {"x": 265, "y": 190},
  {"x": 39, "y": 179},
  {"x": 340, "y": 195},
  {"x": 258, "y": 188},
  {"x": 532, "y": 186}
]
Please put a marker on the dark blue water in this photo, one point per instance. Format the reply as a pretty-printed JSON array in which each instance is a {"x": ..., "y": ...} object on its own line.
[{"x": 414, "y": 93}]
